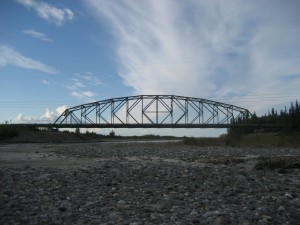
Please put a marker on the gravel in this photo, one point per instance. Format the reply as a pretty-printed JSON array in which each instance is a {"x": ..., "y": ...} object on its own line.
[{"x": 150, "y": 183}]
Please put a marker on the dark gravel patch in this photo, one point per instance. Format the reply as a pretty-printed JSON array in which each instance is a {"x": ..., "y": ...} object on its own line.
[{"x": 278, "y": 162}]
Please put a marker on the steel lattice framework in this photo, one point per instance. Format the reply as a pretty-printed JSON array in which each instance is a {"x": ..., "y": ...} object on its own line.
[{"x": 152, "y": 111}]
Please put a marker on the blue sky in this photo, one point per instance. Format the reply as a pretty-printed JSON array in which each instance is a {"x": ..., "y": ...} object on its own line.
[{"x": 58, "y": 54}]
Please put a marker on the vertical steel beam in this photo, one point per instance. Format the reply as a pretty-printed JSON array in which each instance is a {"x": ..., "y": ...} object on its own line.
[
  {"x": 172, "y": 122},
  {"x": 127, "y": 108},
  {"x": 156, "y": 102}
]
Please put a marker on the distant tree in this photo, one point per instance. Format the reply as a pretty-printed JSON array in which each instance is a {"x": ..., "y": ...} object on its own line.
[
  {"x": 290, "y": 117},
  {"x": 273, "y": 112},
  {"x": 292, "y": 109},
  {"x": 297, "y": 109},
  {"x": 295, "y": 117},
  {"x": 112, "y": 134},
  {"x": 254, "y": 119}
]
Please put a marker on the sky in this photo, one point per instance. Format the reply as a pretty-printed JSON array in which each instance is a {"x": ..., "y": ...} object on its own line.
[{"x": 59, "y": 54}]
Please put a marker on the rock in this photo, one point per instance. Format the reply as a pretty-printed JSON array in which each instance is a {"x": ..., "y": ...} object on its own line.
[
  {"x": 114, "y": 216},
  {"x": 266, "y": 218},
  {"x": 62, "y": 208},
  {"x": 288, "y": 195},
  {"x": 136, "y": 223},
  {"x": 211, "y": 213},
  {"x": 153, "y": 216},
  {"x": 245, "y": 223},
  {"x": 281, "y": 208},
  {"x": 221, "y": 220},
  {"x": 121, "y": 203},
  {"x": 194, "y": 216}
]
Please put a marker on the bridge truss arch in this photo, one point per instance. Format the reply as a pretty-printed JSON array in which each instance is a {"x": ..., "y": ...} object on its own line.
[{"x": 152, "y": 111}]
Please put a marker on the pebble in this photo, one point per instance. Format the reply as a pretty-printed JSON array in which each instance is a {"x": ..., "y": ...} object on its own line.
[
  {"x": 221, "y": 220},
  {"x": 281, "y": 208},
  {"x": 121, "y": 202},
  {"x": 288, "y": 195},
  {"x": 62, "y": 208},
  {"x": 194, "y": 216},
  {"x": 211, "y": 213}
]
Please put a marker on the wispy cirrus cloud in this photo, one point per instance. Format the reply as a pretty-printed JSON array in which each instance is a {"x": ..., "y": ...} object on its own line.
[
  {"x": 90, "y": 79},
  {"x": 83, "y": 95},
  {"x": 77, "y": 84},
  {"x": 48, "y": 12},
  {"x": 81, "y": 86},
  {"x": 37, "y": 35},
  {"x": 9, "y": 56},
  {"x": 225, "y": 49},
  {"x": 46, "y": 82}
]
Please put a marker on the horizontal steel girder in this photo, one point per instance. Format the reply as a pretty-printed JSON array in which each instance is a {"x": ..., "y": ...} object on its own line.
[{"x": 250, "y": 126}]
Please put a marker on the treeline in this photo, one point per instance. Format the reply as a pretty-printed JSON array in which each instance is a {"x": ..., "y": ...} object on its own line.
[
  {"x": 8, "y": 131},
  {"x": 288, "y": 117}
]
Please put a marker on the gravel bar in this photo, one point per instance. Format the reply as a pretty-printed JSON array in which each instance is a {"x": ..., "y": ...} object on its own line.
[{"x": 147, "y": 183}]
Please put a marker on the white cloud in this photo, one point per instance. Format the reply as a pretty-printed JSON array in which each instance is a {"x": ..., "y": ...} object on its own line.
[
  {"x": 48, "y": 12},
  {"x": 37, "y": 35},
  {"x": 78, "y": 84},
  {"x": 61, "y": 109},
  {"x": 9, "y": 56},
  {"x": 88, "y": 94},
  {"x": 47, "y": 117},
  {"x": 75, "y": 85},
  {"x": 212, "y": 49},
  {"x": 25, "y": 119},
  {"x": 46, "y": 82}
]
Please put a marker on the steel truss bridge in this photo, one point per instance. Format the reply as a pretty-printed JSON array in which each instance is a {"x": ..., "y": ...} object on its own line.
[{"x": 152, "y": 111}]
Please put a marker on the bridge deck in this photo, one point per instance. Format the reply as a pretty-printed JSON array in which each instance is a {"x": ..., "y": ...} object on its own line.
[{"x": 250, "y": 126}]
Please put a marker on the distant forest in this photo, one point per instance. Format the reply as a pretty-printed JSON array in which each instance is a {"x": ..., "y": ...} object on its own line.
[{"x": 289, "y": 117}]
